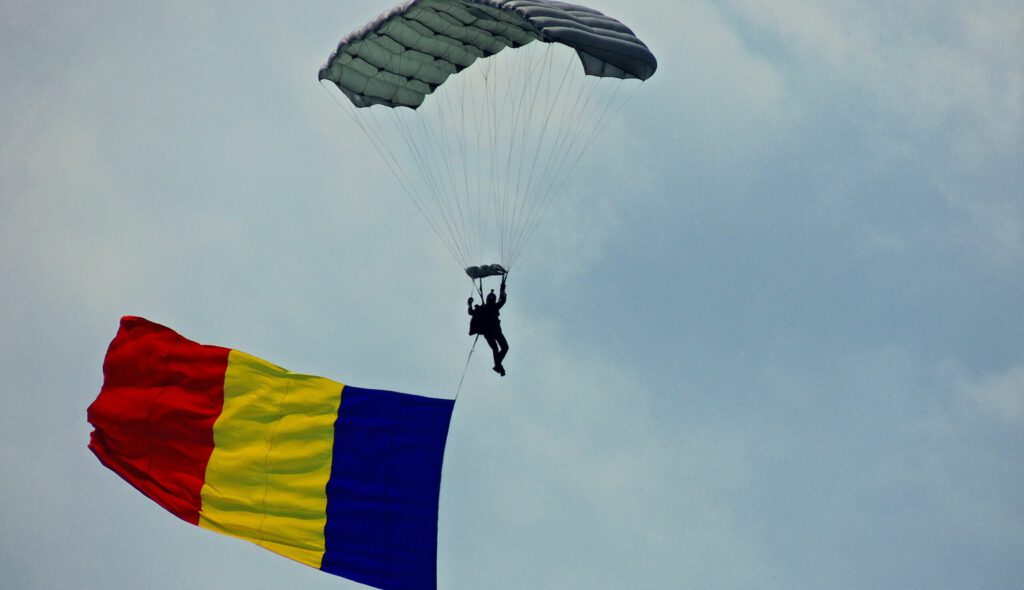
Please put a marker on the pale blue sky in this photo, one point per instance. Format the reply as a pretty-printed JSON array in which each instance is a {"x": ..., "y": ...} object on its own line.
[{"x": 771, "y": 338}]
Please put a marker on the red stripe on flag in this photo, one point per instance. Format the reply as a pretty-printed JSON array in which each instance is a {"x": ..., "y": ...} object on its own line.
[{"x": 154, "y": 416}]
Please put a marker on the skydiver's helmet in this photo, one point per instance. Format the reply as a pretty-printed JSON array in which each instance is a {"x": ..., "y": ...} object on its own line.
[{"x": 491, "y": 297}]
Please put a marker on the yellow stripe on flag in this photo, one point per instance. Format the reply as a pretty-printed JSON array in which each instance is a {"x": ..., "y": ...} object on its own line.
[{"x": 266, "y": 481}]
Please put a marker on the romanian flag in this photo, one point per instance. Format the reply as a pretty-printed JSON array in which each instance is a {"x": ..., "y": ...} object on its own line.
[{"x": 340, "y": 478}]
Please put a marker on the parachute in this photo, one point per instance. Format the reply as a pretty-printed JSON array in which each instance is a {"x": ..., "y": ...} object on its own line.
[
  {"x": 487, "y": 270},
  {"x": 484, "y": 157}
]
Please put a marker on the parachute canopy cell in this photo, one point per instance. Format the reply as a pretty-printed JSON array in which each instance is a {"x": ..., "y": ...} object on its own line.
[{"x": 406, "y": 53}]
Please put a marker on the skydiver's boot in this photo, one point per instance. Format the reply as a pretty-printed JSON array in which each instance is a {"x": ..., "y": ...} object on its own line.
[{"x": 499, "y": 370}]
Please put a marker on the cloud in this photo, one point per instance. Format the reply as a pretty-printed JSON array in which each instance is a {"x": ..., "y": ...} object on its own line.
[
  {"x": 929, "y": 68},
  {"x": 999, "y": 395},
  {"x": 721, "y": 393},
  {"x": 936, "y": 81},
  {"x": 566, "y": 458}
]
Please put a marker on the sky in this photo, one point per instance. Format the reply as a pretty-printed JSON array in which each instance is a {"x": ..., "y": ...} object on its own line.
[{"x": 770, "y": 337}]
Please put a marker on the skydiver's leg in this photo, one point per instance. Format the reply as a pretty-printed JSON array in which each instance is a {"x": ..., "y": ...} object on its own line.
[
  {"x": 492, "y": 342},
  {"x": 501, "y": 342}
]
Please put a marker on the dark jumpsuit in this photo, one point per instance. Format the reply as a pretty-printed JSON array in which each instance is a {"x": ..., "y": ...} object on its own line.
[{"x": 486, "y": 322}]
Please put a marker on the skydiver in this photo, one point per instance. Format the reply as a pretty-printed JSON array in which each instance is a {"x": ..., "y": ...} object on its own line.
[{"x": 485, "y": 322}]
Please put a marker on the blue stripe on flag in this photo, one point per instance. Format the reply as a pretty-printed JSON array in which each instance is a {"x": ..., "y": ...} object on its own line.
[{"x": 383, "y": 492}]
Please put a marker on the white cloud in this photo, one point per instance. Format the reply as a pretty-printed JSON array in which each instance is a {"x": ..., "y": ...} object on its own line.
[
  {"x": 720, "y": 93},
  {"x": 942, "y": 80},
  {"x": 929, "y": 68},
  {"x": 1000, "y": 395},
  {"x": 771, "y": 466},
  {"x": 567, "y": 446}
]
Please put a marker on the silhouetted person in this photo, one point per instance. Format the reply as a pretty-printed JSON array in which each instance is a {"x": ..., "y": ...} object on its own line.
[{"x": 485, "y": 322}]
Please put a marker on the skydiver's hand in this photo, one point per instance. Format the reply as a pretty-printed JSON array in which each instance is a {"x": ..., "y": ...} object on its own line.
[{"x": 469, "y": 301}]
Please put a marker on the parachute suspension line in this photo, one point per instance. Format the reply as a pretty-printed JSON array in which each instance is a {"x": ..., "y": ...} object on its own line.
[
  {"x": 471, "y": 174},
  {"x": 484, "y": 156},
  {"x": 522, "y": 118},
  {"x": 513, "y": 67},
  {"x": 517, "y": 111},
  {"x": 454, "y": 120},
  {"x": 397, "y": 170},
  {"x": 552, "y": 153},
  {"x": 507, "y": 125},
  {"x": 466, "y": 113},
  {"x": 377, "y": 142},
  {"x": 440, "y": 220},
  {"x": 442, "y": 206},
  {"x": 407, "y": 133},
  {"x": 466, "y": 368},
  {"x": 371, "y": 126},
  {"x": 605, "y": 119},
  {"x": 515, "y": 125},
  {"x": 503, "y": 145},
  {"x": 549, "y": 149},
  {"x": 492, "y": 114},
  {"x": 531, "y": 127},
  {"x": 573, "y": 127},
  {"x": 447, "y": 121},
  {"x": 484, "y": 181},
  {"x": 546, "y": 124},
  {"x": 467, "y": 193},
  {"x": 452, "y": 134},
  {"x": 444, "y": 187},
  {"x": 481, "y": 120},
  {"x": 570, "y": 127},
  {"x": 448, "y": 237},
  {"x": 521, "y": 195},
  {"x": 461, "y": 162},
  {"x": 603, "y": 123},
  {"x": 556, "y": 173},
  {"x": 564, "y": 173}
]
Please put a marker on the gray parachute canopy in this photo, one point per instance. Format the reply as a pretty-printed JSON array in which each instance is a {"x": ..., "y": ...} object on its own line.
[
  {"x": 410, "y": 50},
  {"x": 497, "y": 142}
]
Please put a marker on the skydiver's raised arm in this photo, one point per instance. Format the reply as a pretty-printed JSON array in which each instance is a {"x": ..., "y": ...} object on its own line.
[
  {"x": 469, "y": 304},
  {"x": 502, "y": 298}
]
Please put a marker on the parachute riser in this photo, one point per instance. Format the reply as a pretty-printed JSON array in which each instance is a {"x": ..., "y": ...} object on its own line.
[{"x": 477, "y": 274}]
